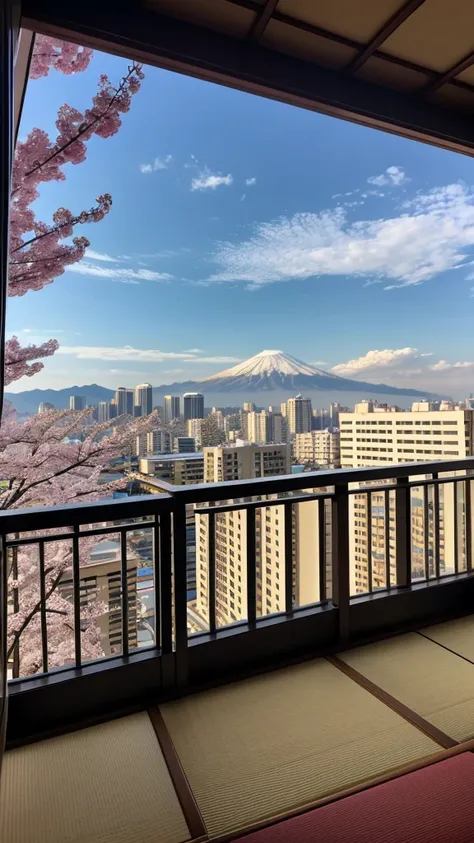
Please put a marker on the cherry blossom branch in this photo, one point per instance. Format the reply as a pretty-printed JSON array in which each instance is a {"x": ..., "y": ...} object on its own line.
[{"x": 50, "y": 52}]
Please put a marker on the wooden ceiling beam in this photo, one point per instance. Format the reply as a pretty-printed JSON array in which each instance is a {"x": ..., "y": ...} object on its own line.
[
  {"x": 162, "y": 41},
  {"x": 450, "y": 74},
  {"x": 262, "y": 19},
  {"x": 389, "y": 27}
]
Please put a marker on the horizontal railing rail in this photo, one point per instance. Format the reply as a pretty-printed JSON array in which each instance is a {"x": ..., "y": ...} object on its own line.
[{"x": 268, "y": 547}]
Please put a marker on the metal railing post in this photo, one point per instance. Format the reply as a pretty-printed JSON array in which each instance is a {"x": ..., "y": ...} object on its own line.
[
  {"x": 180, "y": 592},
  {"x": 340, "y": 558},
  {"x": 402, "y": 532}
]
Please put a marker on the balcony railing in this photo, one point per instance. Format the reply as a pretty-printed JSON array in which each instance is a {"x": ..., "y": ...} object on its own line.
[{"x": 327, "y": 559}]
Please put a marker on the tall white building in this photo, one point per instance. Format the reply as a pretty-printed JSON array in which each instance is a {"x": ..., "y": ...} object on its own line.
[
  {"x": 245, "y": 461},
  {"x": 46, "y": 407},
  {"x": 298, "y": 412},
  {"x": 171, "y": 408},
  {"x": 318, "y": 448},
  {"x": 103, "y": 413},
  {"x": 258, "y": 427},
  {"x": 144, "y": 398},
  {"x": 125, "y": 401},
  {"x": 376, "y": 436}
]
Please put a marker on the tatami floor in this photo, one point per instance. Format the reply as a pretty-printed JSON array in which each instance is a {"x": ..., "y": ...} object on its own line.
[{"x": 233, "y": 759}]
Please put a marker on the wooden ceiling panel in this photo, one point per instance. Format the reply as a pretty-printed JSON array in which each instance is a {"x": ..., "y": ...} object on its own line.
[
  {"x": 438, "y": 35},
  {"x": 392, "y": 75},
  {"x": 306, "y": 46},
  {"x": 467, "y": 76},
  {"x": 359, "y": 20},
  {"x": 219, "y": 15}
]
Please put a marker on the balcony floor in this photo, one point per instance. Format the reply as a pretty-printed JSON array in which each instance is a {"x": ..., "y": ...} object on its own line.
[{"x": 242, "y": 755}]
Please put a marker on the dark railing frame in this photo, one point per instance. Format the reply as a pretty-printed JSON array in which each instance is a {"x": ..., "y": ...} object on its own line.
[{"x": 179, "y": 663}]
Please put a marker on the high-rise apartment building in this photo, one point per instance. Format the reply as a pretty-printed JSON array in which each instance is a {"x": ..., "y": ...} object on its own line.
[
  {"x": 318, "y": 448},
  {"x": 77, "y": 402},
  {"x": 378, "y": 435},
  {"x": 179, "y": 469},
  {"x": 298, "y": 412},
  {"x": 259, "y": 429},
  {"x": 125, "y": 401},
  {"x": 46, "y": 407},
  {"x": 248, "y": 407},
  {"x": 184, "y": 444},
  {"x": 193, "y": 406},
  {"x": 144, "y": 398},
  {"x": 171, "y": 409},
  {"x": 238, "y": 462},
  {"x": 159, "y": 442},
  {"x": 103, "y": 414},
  {"x": 206, "y": 432}
]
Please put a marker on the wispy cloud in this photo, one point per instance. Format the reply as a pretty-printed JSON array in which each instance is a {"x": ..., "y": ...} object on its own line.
[
  {"x": 251, "y": 182},
  {"x": 99, "y": 256},
  {"x": 157, "y": 164},
  {"x": 123, "y": 275},
  {"x": 40, "y": 331},
  {"x": 137, "y": 355},
  {"x": 206, "y": 180},
  {"x": 393, "y": 176},
  {"x": 433, "y": 234}
]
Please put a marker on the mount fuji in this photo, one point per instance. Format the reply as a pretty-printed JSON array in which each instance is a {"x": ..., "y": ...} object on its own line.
[
  {"x": 275, "y": 370},
  {"x": 268, "y": 372}
]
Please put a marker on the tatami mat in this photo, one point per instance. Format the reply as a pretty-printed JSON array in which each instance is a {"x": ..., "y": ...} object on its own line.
[
  {"x": 457, "y": 635},
  {"x": 257, "y": 748},
  {"x": 430, "y": 680},
  {"x": 105, "y": 784}
]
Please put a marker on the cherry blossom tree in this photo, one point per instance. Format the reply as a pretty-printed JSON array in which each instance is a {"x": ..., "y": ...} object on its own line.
[
  {"x": 55, "y": 458},
  {"x": 37, "y": 255}
]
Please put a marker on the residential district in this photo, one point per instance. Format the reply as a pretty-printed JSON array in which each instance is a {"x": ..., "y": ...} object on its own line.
[{"x": 194, "y": 444}]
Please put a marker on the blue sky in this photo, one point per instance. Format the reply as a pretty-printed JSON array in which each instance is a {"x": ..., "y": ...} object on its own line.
[{"x": 299, "y": 259}]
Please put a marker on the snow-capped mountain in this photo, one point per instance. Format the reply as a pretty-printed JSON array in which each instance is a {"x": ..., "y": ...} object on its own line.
[{"x": 276, "y": 370}]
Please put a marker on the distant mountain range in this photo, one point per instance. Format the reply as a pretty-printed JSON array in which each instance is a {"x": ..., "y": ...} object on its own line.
[{"x": 265, "y": 372}]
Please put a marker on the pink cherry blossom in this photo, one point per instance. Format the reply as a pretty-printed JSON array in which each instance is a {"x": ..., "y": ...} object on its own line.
[
  {"x": 54, "y": 459},
  {"x": 50, "y": 53},
  {"x": 17, "y": 358},
  {"x": 59, "y": 457}
]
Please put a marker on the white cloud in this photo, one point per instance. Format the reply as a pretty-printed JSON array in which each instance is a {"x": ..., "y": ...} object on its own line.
[
  {"x": 99, "y": 256},
  {"x": 157, "y": 164},
  {"x": 40, "y": 331},
  {"x": 251, "y": 182},
  {"x": 125, "y": 275},
  {"x": 444, "y": 366},
  {"x": 435, "y": 233},
  {"x": 206, "y": 180},
  {"x": 412, "y": 368},
  {"x": 194, "y": 351},
  {"x": 137, "y": 355},
  {"x": 393, "y": 176},
  {"x": 319, "y": 363},
  {"x": 375, "y": 361}
]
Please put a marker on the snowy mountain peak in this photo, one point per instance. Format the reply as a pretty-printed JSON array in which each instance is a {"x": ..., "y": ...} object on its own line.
[
  {"x": 267, "y": 363},
  {"x": 272, "y": 370}
]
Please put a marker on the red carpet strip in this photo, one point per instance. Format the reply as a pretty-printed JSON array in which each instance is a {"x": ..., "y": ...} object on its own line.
[{"x": 432, "y": 805}]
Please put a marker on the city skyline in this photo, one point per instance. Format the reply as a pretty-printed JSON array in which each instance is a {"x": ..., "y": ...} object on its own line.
[{"x": 286, "y": 239}]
